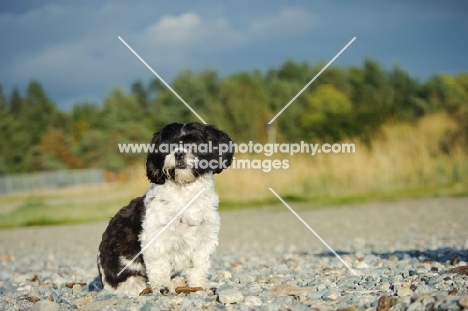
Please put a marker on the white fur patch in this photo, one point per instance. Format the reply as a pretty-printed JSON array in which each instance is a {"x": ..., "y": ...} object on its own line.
[
  {"x": 134, "y": 266},
  {"x": 132, "y": 286},
  {"x": 189, "y": 242}
]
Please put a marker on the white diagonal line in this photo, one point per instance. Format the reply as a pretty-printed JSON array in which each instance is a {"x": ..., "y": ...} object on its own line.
[
  {"x": 316, "y": 76},
  {"x": 160, "y": 232},
  {"x": 312, "y": 230},
  {"x": 162, "y": 80}
]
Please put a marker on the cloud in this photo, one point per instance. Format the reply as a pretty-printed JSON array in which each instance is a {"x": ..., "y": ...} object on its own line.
[
  {"x": 185, "y": 40},
  {"x": 288, "y": 21},
  {"x": 190, "y": 31},
  {"x": 176, "y": 31}
]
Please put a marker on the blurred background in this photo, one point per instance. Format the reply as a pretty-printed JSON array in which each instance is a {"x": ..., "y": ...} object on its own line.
[{"x": 70, "y": 91}]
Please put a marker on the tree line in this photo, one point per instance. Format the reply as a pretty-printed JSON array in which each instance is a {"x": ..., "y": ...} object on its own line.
[{"x": 343, "y": 103}]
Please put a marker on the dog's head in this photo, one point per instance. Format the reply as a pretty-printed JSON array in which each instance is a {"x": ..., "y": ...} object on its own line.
[{"x": 182, "y": 152}]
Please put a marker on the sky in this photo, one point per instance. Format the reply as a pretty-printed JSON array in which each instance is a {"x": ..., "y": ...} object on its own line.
[{"x": 72, "y": 47}]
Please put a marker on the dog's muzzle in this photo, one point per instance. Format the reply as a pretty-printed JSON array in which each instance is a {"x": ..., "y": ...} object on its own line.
[{"x": 179, "y": 159}]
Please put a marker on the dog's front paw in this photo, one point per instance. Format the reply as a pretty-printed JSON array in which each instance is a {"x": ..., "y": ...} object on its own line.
[
  {"x": 166, "y": 289},
  {"x": 201, "y": 282}
]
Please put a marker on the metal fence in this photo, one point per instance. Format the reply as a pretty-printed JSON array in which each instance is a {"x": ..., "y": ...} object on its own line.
[{"x": 36, "y": 182}]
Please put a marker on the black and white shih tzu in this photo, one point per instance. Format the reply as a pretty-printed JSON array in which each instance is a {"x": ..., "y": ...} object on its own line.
[{"x": 187, "y": 244}]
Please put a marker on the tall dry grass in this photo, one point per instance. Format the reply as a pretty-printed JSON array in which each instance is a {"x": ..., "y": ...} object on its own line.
[{"x": 405, "y": 156}]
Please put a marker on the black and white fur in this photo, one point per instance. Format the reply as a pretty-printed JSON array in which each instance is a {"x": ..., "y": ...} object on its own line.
[{"x": 189, "y": 242}]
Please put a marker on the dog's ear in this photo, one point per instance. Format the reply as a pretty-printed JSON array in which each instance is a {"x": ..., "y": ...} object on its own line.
[
  {"x": 155, "y": 162},
  {"x": 218, "y": 138},
  {"x": 154, "y": 173},
  {"x": 155, "y": 159}
]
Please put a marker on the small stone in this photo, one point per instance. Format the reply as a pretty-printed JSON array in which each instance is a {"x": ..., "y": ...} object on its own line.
[
  {"x": 385, "y": 303},
  {"x": 361, "y": 265},
  {"x": 448, "y": 305},
  {"x": 230, "y": 296},
  {"x": 45, "y": 305},
  {"x": 221, "y": 288},
  {"x": 463, "y": 301},
  {"x": 284, "y": 301},
  {"x": 404, "y": 292},
  {"x": 424, "y": 289},
  {"x": 331, "y": 296},
  {"x": 415, "y": 306},
  {"x": 253, "y": 301},
  {"x": 24, "y": 288},
  {"x": 453, "y": 292},
  {"x": 272, "y": 307},
  {"x": 83, "y": 301},
  {"x": 384, "y": 286},
  {"x": 76, "y": 289},
  {"x": 317, "y": 295},
  {"x": 255, "y": 288},
  {"x": 57, "y": 279},
  {"x": 436, "y": 279},
  {"x": 267, "y": 297},
  {"x": 245, "y": 278},
  {"x": 101, "y": 305},
  {"x": 55, "y": 297},
  {"x": 290, "y": 290}
]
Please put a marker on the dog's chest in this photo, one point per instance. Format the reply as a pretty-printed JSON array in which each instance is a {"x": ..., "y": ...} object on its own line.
[
  {"x": 193, "y": 216},
  {"x": 183, "y": 229},
  {"x": 164, "y": 202}
]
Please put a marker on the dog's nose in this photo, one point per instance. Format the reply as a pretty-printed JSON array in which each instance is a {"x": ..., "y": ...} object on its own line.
[{"x": 179, "y": 154}]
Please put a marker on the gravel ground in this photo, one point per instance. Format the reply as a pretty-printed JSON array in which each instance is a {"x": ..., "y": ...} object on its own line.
[{"x": 401, "y": 251}]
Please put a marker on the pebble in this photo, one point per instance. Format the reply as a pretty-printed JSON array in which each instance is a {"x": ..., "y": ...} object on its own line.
[
  {"x": 331, "y": 296},
  {"x": 424, "y": 289},
  {"x": 253, "y": 301},
  {"x": 415, "y": 306},
  {"x": 463, "y": 301},
  {"x": 404, "y": 292},
  {"x": 255, "y": 288},
  {"x": 227, "y": 296},
  {"x": 287, "y": 289},
  {"x": 385, "y": 286},
  {"x": 45, "y": 305},
  {"x": 284, "y": 300},
  {"x": 245, "y": 278},
  {"x": 76, "y": 289}
]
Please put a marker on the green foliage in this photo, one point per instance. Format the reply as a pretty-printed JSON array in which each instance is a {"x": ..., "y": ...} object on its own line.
[
  {"x": 455, "y": 99},
  {"x": 342, "y": 103},
  {"x": 326, "y": 113},
  {"x": 15, "y": 102},
  {"x": 141, "y": 94}
]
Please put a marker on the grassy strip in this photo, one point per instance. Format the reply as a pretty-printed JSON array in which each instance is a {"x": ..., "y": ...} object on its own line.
[
  {"x": 454, "y": 190},
  {"x": 36, "y": 212}
]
